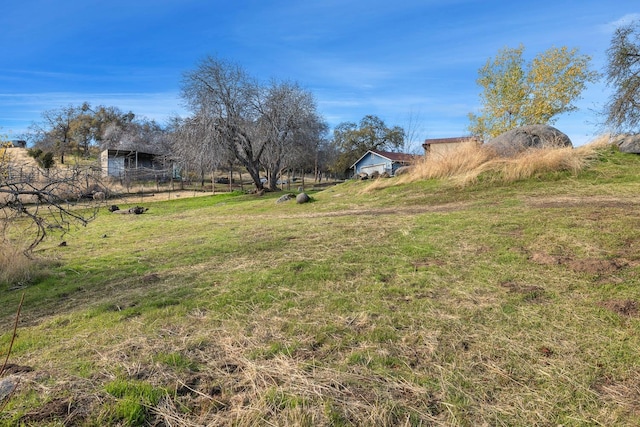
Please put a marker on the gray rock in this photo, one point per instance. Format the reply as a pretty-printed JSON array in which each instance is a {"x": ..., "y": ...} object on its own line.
[
  {"x": 285, "y": 198},
  {"x": 7, "y": 386},
  {"x": 302, "y": 198},
  {"x": 402, "y": 170},
  {"x": 520, "y": 139},
  {"x": 627, "y": 143}
]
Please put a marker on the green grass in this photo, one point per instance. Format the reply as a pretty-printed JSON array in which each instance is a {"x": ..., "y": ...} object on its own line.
[{"x": 421, "y": 304}]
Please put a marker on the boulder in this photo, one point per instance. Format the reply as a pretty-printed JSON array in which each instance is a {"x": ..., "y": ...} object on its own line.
[
  {"x": 7, "y": 386},
  {"x": 138, "y": 210},
  {"x": 402, "y": 170},
  {"x": 135, "y": 210},
  {"x": 520, "y": 139},
  {"x": 627, "y": 143},
  {"x": 302, "y": 198},
  {"x": 286, "y": 198}
]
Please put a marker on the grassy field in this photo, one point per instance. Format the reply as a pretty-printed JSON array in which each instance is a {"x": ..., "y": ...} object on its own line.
[{"x": 426, "y": 303}]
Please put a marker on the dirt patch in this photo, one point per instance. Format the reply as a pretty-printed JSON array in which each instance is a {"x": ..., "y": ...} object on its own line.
[
  {"x": 16, "y": 369},
  {"x": 150, "y": 278},
  {"x": 627, "y": 308},
  {"x": 530, "y": 293},
  {"x": 518, "y": 288},
  {"x": 573, "y": 202},
  {"x": 58, "y": 409},
  {"x": 426, "y": 263},
  {"x": 596, "y": 266},
  {"x": 624, "y": 393},
  {"x": 546, "y": 259},
  {"x": 588, "y": 265}
]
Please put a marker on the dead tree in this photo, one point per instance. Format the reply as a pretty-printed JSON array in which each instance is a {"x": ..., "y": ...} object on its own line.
[{"x": 52, "y": 201}]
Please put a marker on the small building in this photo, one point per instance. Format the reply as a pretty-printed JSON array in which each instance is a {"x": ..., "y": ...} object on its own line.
[
  {"x": 17, "y": 143},
  {"x": 381, "y": 161},
  {"x": 442, "y": 146},
  {"x": 136, "y": 165}
]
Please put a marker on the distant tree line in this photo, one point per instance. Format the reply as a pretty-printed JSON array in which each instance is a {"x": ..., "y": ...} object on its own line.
[{"x": 267, "y": 129}]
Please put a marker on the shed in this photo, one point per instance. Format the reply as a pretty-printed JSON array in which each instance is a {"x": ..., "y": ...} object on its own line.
[
  {"x": 442, "y": 146},
  {"x": 18, "y": 143},
  {"x": 135, "y": 165},
  {"x": 381, "y": 162}
]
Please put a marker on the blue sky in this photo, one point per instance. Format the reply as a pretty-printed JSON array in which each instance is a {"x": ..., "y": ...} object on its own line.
[{"x": 413, "y": 63}]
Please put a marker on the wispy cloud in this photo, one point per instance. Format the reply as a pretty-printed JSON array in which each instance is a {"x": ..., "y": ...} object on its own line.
[
  {"x": 610, "y": 27},
  {"x": 21, "y": 109}
]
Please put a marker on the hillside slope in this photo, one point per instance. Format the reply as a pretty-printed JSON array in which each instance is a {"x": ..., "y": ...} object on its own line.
[
  {"x": 420, "y": 304},
  {"x": 19, "y": 157}
]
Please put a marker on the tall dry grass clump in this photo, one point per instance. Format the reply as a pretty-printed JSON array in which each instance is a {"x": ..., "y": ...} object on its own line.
[
  {"x": 16, "y": 269},
  {"x": 472, "y": 162}
]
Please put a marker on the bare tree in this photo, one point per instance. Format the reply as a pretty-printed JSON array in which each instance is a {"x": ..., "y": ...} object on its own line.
[
  {"x": 197, "y": 145},
  {"x": 623, "y": 74},
  {"x": 413, "y": 134},
  {"x": 55, "y": 133},
  {"x": 229, "y": 96},
  {"x": 45, "y": 200},
  {"x": 290, "y": 124},
  {"x": 258, "y": 124}
]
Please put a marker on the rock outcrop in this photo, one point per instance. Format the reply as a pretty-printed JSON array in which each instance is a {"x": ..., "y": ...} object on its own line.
[
  {"x": 302, "y": 198},
  {"x": 523, "y": 138},
  {"x": 627, "y": 143}
]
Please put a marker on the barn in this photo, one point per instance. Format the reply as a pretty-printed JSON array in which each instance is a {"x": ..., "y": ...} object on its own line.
[{"x": 381, "y": 161}]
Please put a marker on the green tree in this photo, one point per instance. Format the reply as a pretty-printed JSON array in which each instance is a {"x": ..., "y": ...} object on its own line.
[
  {"x": 77, "y": 128},
  {"x": 352, "y": 141},
  {"x": 516, "y": 93},
  {"x": 623, "y": 74}
]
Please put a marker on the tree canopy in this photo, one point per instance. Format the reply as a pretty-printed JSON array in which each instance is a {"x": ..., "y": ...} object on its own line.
[
  {"x": 353, "y": 140},
  {"x": 623, "y": 74},
  {"x": 77, "y": 128},
  {"x": 517, "y": 93}
]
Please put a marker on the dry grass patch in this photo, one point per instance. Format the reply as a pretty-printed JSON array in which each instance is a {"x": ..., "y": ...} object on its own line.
[
  {"x": 16, "y": 270},
  {"x": 471, "y": 162}
]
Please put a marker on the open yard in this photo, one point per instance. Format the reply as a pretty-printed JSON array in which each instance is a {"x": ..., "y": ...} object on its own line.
[{"x": 422, "y": 304}]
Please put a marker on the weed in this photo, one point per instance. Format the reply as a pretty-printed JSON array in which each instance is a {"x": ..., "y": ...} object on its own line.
[
  {"x": 176, "y": 361},
  {"x": 134, "y": 400}
]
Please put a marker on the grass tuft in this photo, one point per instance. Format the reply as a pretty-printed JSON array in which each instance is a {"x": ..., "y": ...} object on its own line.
[{"x": 16, "y": 269}]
